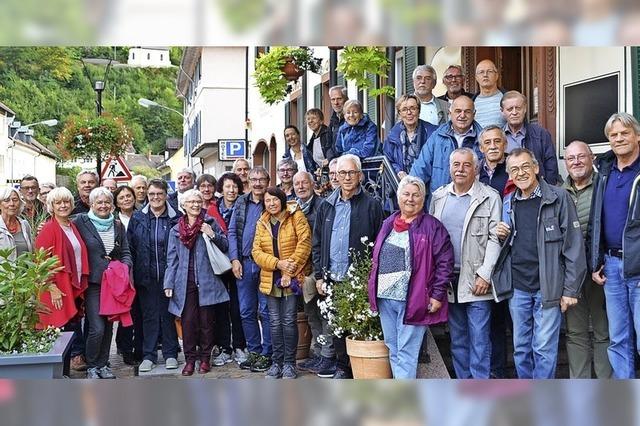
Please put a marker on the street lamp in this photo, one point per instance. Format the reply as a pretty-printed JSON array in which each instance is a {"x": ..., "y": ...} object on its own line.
[
  {"x": 21, "y": 129},
  {"x": 151, "y": 104}
]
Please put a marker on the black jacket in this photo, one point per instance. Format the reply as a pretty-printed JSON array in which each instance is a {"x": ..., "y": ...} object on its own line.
[
  {"x": 365, "y": 221},
  {"x": 631, "y": 233},
  {"x": 326, "y": 142},
  {"x": 334, "y": 125}
]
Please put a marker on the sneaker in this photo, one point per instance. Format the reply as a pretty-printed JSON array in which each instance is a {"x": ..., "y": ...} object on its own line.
[
  {"x": 222, "y": 359},
  {"x": 106, "y": 373},
  {"x": 215, "y": 351},
  {"x": 171, "y": 363},
  {"x": 261, "y": 364},
  {"x": 247, "y": 363},
  {"x": 341, "y": 374},
  {"x": 310, "y": 363},
  {"x": 289, "y": 372},
  {"x": 274, "y": 372},
  {"x": 326, "y": 368},
  {"x": 146, "y": 366},
  {"x": 78, "y": 363},
  {"x": 240, "y": 355},
  {"x": 92, "y": 373}
]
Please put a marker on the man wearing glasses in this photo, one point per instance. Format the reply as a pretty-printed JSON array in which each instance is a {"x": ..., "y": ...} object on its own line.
[
  {"x": 487, "y": 101},
  {"x": 541, "y": 268},
  {"x": 34, "y": 210},
  {"x": 343, "y": 220},
  {"x": 432, "y": 109},
  {"x": 242, "y": 229},
  {"x": 453, "y": 79},
  {"x": 287, "y": 167}
]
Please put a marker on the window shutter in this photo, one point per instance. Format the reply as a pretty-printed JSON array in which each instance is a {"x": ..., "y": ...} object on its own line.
[
  {"x": 372, "y": 101},
  {"x": 410, "y": 62},
  {"x": 341, "y": 80},
  {"x": 635, "y": 78},
  {"x": 317, "y": 96},
  {"x": 287, "y": 113}
]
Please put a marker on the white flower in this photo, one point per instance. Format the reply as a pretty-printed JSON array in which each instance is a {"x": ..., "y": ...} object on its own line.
[{"x": 364, "y": 239}]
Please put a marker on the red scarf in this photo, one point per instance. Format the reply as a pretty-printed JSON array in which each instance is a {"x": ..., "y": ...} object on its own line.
[
  {"x": 189, "y": 233},
  {"x": 399, "y": 225}
]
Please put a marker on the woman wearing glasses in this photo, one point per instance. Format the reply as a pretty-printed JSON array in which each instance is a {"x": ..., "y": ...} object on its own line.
[{"x": 358, "y": 135}]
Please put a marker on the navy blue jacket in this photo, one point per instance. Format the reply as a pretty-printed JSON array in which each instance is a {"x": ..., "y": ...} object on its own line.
[
  {"x": 537, "y": 139},
  {"x": 360, "y": 140},
  {"x": 393, "y": 147}
]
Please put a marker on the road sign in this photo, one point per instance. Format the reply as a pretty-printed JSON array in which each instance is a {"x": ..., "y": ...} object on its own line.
[
  {"x": 116, "y": 169},
  {"x": 231, "y": 149}
]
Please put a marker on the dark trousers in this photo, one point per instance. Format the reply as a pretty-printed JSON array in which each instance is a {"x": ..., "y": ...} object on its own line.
[
  {"x": 77, "y": 345},
  {"x": 283, "y": 316},
  {"x": 500, "y": 320},
  {"x": 340, "y": 346},
  {"x": 228, "y": 324},
  {"x": 197, "y": 326},
  {"x": 100, "y": 330},
  {"x": 129, "y": 339},
  {"x": 157, "y": 324}
]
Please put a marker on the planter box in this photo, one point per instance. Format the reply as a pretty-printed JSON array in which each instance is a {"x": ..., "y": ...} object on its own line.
[{"x": 48, "y": 365}]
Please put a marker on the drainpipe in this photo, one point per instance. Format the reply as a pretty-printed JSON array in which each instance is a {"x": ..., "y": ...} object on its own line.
[
  {"x": 389, "y": 103},
  {"x": 246, "y": 100}
]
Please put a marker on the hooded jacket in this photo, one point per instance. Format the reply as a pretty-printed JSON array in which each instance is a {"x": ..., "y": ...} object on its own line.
[{"x": 360, "y": 140}]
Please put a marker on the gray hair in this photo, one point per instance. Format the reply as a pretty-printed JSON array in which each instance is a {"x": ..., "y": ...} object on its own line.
[
  {"x": 349, "y": 157},
  {"x": 57, "y": 194},
  {"x": 511, "y": 94},
  {"x": 188, "y": 194},
  {"x": 139, "y": 177},
  {"x": 519, "y": 151},
  {"x": 48, "y": 185},
  {"x": 88, "y": 172},
  {"x": 412, "y": 180},
  {"x": 353, "y": 102},
  {"x": 235, "y": 163},
  {"x": 190, "y": 171},
  {"x": 334, "y": 161},
  {"x": 427, "y": 68},
  {"x": 308, "y": 175},
  {"x": 579, "y": 142},
  {"x": 288, "y": 162},
  {"x": 474, "y": 156},
  {"x": 458, "y": 67},
  {"x": 98, "y": 192},
  {"x": 342, "y": 90},
  {"x": 6, "y": 192},
  {"x": 492, "y": 127},
  {"x": 260, "y": 170},
  {"x": 626, "y": 119}
]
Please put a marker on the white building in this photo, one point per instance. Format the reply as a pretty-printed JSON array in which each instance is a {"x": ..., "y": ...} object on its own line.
[{"x": 150, "y": 57}]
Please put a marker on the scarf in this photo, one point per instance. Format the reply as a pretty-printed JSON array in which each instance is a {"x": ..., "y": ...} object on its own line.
[
  {"x": 189, "y": 233},
  {"x": 305, "y": 206},
  {"x": 399, "y": 225},
  {"x": 101, "y": 225}
]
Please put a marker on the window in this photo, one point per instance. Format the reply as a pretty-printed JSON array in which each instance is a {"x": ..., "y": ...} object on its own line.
[
  {"x": 133, "y": 55},
  {"x": 148, "y": 56},
  {"x": 161, "y": 57}
]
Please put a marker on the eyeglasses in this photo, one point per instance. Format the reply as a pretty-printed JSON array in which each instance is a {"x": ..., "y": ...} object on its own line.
[
  {"x": 256, "y": 180},
  {"x": 350, "y": 173},
  {"x": 156, "y": 194},
  {"x": 486, "y": 72},
  {"x": 283, "y": 171},
  {"x": 102, "y": 203},
  {"x": 193, "y": 202},
  {"x": 407, "y": 109},
  {"x": 332, "y": 174},
  {"x": 451, "y": 77},
  {"x": 575, "y": 158},
  {"x": 29, "y": 188},
  {"x": 525, "y": 168}
]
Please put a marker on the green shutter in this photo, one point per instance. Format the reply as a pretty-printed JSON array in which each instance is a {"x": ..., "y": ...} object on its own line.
[
  {"x": 287, "y": 111},
  {"x": 372, "y": 101},
  {"x": 410, "y": 62},
  {"x": 317, "y": 96},
  {"x": 341, "y": 81},
  {"x": 635, "y": 78}
]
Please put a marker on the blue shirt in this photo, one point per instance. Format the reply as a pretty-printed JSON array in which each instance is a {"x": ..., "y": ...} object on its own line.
[
  {"x": 615, "y": 206},
  {"x": 514, "y": 139},
  {"x": 254, "y": 210},
  {"x": 339, "y": 247}
]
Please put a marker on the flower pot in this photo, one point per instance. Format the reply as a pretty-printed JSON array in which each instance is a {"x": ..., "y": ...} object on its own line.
[
  {"x": 49, "y": 365},
  {"x": 304, "y": 336},
  {"x": 369, "y": 359},
  {"x": 291, "y": 71}
]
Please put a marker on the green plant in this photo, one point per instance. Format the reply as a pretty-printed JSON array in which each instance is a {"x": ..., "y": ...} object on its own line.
[
  {"x": 359, "y": 63},
  {"x": 22, "y": 282},
  {"x": 148, "y": 172},
  {"x": 269, "y": 75},
  {"x": 346, "y": 305},
  {"x": 94, "y": 136}
]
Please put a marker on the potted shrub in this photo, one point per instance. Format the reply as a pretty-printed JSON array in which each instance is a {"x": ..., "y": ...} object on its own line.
[
  {"x": 280, "y": 66},
  {"x": 26, "y": 352},
  {"x": 359, "y": 63},
  {"x": 347, "y": 308}
]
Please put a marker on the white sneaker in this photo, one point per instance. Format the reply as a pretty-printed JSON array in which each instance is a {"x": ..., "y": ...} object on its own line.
[
  {"x": 171, "y": 364},
  {"x": 222, "y": 359},
  {"x": 215, "y": 351},
  {"x": 240, "y": 355},
  {"x": 146, "y": 366}
]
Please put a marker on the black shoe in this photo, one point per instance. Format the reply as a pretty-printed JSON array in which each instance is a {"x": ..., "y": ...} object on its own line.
[
  {"x": 326, "y": 369},
  {"x": 262, "y": 364},
  {"x": 309, "y": 364},
  {"x": 128, "y": 358},
  {"x": 251, "y": 359},
  {"x": 342, "y": 374}
]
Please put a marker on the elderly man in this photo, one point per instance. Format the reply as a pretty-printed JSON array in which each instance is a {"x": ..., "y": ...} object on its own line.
[
  {"x": 488, "y": 99},
  {"x": 461, "y": 131},
  {"x": 185, "y": 181},
  {"x": 287, "y": 168},
  {"x": 333, "y": 175},
  {"x": 139, "y": 185},
  {"x": 45, "y": 188},
  {"x": 541, "y": 268},
  {"x": 432, "y": 109},
  {"x": 338, "y": 96},
  {"x": 521, "y": 134},
  {"x": 453, "y": 79},
  {"x": 86, "y": 181},
  {"x": 110, "y": 184},
  {"x": 241, "y": 168},
  {"x": 590, "y": 310},
  {"x": 346, "y": 216},
  {"x": 242, "y": 229},
  {"x": 614, "y": 233},
  {"x": 34, "y": 210},
  {"x": 469, "y": 209}
]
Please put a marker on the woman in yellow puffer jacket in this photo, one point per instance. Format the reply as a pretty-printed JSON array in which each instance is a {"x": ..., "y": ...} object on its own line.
[{"x": 282, "y": 248}]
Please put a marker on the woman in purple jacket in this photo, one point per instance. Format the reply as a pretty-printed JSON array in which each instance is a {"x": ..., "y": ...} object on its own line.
[{"x": 412, "y": 268}]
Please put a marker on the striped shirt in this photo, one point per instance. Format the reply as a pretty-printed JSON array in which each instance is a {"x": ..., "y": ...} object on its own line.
[{"x": 108, "y": 239}]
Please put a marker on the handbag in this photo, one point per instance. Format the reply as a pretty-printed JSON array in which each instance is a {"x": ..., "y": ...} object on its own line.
[{"x": 219, "y": 261}]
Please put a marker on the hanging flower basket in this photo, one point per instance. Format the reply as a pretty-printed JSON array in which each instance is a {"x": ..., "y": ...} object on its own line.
[{"x": 291, "y": 71}]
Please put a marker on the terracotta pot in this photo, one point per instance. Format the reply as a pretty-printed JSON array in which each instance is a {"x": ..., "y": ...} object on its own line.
[
  {"x": 304, "y": 336},
  {"x": 369, "y": 359},
  {"x": 291, "y": 71}
]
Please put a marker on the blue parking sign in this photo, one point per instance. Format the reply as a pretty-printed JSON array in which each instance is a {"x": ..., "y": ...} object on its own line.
[{"x": 232, "y": 149}]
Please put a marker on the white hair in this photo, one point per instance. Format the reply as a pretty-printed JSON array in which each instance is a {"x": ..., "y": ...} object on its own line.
[
  {"x": 139, "y": 177},
  {"x": 188, "y": 194},
  {"x": 6, "y": 192},
  {"x": 98, "y": 192},
  {"x": 349, "y": 157},
  {"x": 474, "y": 156},
  {"x": 412, "y": 180},
  {"x": 57, "y": 194}
]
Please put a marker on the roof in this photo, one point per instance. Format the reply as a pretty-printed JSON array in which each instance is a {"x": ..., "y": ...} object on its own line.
[
  {"x": 173, "y": 143},
  {"x": 6, "y": 108},
  {"x": 141, "y": 160},
  {"x": 34, "y": 145},
  {"x": 187, "y": 68}
]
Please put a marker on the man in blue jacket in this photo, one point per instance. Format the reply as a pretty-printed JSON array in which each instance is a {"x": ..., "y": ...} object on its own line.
[{"x": 461, "y": 131}]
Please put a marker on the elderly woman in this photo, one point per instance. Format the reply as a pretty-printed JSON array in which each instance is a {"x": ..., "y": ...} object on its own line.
[
  {"x": 405, "y": 140},
  {"x": 412, "y": 268},
  {"x": 189, "y": 280},
  {"x": 106, "y": 240},
  {"x": 125, "y": 201},
  {"x": 15, "y": 233},
  {"x": 282, "y": 248},
  {"x": 206, "y": 184},
  {"x": 298, "y": 151},
  {"x": 321, "y": 142},
  {"x": 358, "y": 135}
]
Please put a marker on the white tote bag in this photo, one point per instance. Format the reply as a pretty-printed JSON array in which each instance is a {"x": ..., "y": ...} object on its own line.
[{"x": 219, "y": 261}]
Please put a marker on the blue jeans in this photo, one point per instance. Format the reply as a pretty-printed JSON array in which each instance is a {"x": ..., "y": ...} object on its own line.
[
  {"x": 283, "y": 320},
  {"x": 403, "y": 340},
  {"x": 621, "y": 297},
  {"x": 469, "y": 328},
  {"x": 536, "y": 331},
  {"x": 251, "y": 302}
]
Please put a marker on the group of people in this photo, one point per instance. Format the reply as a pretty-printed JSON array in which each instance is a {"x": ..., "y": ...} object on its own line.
[{"x": 486, "y": 237}]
